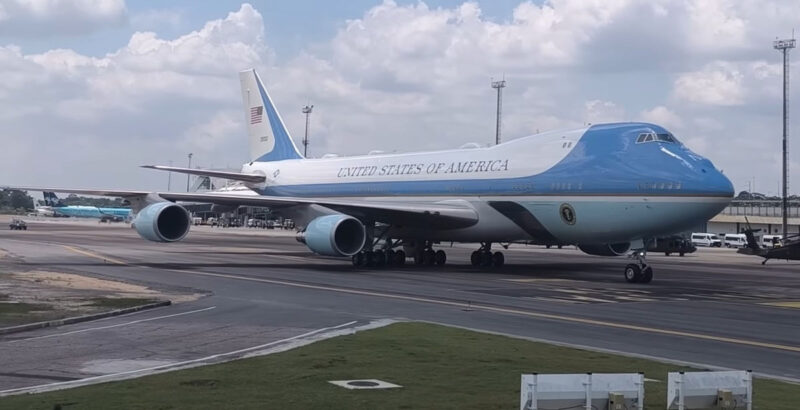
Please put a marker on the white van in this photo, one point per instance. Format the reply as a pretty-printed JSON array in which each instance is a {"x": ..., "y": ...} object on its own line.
[
  {"x": 706, "y": 239},
  {"x": 770, "y": 241},
  {"x": 735, "y": 240}
]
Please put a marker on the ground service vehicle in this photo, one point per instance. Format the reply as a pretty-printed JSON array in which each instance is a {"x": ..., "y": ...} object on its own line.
[
  {"x": 18, "y": 225},
  {"x": 706, "y": 239}
]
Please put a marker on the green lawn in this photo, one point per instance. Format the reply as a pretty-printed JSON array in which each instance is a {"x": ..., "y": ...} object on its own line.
[
  {"x": 12, "y": 314},
  {"x": 439, "y": 367}
]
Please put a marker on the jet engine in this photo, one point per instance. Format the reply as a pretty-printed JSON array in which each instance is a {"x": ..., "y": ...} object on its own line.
[
  {"x": 163, "y": 222},
  {"x": 606, "y": 249},
  {"x": 334, "y": 235}
]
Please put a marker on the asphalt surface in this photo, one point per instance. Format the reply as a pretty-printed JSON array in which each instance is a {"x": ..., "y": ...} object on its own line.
[{"x": 714, "y": 307}]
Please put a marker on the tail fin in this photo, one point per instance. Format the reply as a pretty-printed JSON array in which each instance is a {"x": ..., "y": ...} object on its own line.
[
  {"x": 50, "y": 199},
  {"x": 269, "y": 139}
]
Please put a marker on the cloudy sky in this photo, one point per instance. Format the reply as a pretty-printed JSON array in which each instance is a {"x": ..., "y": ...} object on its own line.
[{"x": 90, "y": 89}]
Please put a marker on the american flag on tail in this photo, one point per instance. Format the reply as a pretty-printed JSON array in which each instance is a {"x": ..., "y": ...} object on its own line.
[{"x": 256, "y": 114}]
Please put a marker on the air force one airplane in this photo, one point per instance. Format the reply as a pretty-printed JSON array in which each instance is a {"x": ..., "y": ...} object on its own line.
[{"x": 607, "y": 188}]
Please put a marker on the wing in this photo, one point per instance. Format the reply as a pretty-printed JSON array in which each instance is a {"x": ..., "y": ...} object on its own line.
[
  {"x": 438, "y": 215},
  {"x": 441, "y": 215},
  {"x": 237, "y": 176}
]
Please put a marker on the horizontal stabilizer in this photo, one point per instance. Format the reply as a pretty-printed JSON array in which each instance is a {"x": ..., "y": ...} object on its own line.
[{"x": 238, "y": 176}]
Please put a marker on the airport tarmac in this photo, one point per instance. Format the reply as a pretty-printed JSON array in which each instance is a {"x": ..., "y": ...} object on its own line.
[{"x": 714, "y": 307}]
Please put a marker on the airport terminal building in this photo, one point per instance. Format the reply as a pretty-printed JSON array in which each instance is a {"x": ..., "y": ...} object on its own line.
[{"x": 765, "y": 215}]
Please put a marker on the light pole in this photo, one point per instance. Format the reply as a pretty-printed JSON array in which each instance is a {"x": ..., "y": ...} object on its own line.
[
  {"x": 188, "y": 175},
  {"x": 499, "y": 85},
  {"x": 307, "y": 111},
  {"x": 169, "y": 178},
  {"x": 784, "y": 46}
]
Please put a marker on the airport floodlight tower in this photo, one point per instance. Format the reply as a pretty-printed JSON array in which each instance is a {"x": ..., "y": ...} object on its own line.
[
  {"x": 307, "y": 111},
  {"x": 187, "y": 175},
  {"x": 784, "y": 46},
  {"x": 499, "y": 85}
]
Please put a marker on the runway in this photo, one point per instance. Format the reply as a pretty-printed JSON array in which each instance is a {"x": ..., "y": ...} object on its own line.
[{"x": 714, "y": 307}]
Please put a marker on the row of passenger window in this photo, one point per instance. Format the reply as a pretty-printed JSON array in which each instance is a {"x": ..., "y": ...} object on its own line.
[{"x": 659, "y": 185}]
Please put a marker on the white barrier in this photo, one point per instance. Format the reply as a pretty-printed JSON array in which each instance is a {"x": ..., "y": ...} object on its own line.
[
  {"x": 730, "y": 390},
  {"x": 582, "y": 391}
]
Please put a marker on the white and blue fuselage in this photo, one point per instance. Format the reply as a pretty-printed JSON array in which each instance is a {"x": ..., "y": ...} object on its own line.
[{"x": 606, "y": 183}]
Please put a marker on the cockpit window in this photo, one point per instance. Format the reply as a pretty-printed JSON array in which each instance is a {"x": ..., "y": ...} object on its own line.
[{"x": 650, "y": 137}]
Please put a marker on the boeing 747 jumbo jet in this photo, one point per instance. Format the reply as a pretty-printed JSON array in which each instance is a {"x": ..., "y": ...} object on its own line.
[{"x": 606, "y": 188}]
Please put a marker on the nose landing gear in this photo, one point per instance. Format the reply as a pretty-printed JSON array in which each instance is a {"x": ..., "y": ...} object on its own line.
[{"x": 639, "y": 272}]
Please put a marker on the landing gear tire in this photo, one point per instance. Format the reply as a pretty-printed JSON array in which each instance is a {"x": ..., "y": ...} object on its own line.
[
  {"x": 378, "y": 258},
  {"x": 498, "y": 259},
  {"x": 647, "y": 275},
  {"x": 369, "y": 259},
  {"x": 439, "y": 258},
  {"x": 486, "y": 259},
  {"x": 358, "y": 259},
  {"x": 475, "y": 258},
  {"x": 633, "y": 273},
  {"x": 399, "y": 258}
]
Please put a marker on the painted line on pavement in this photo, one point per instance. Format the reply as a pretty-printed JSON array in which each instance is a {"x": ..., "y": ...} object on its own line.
[
  {"x": 94, "y": 255},
  {"x": 539, "y": 315},
  {"x": 562, "y": 318},
  {"x": 109, "y": 326}
]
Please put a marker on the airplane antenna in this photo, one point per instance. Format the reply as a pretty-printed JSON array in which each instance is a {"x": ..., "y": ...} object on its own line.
[
  {"x": 307, "y": 111},
  {"x": 499, "y": 85},
  {"x": 784, "y": 46}
]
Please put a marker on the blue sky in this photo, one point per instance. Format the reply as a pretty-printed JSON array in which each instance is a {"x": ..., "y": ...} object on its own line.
[{"x": 88, "y": 91}]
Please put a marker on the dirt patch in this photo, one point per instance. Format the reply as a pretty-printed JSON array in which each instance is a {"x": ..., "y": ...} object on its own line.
[{"x": 67, "y": 294}]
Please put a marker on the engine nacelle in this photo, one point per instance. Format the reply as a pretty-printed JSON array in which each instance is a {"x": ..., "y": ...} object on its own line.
[
  {"x": 334, "y": 235},
  {"x": 163, "y": 222},
  {"x": 606, "y": 249}
]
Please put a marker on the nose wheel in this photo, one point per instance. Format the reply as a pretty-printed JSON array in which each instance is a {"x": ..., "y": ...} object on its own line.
[{"x": 639, "y": 272}]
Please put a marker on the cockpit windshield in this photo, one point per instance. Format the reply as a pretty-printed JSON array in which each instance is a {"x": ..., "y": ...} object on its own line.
[{"x": 651, "y": 136}]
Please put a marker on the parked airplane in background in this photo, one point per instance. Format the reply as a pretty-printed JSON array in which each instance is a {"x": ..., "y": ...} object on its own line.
[
  {"x": 55, "y": 207},
  {"x": 605, "y": 188}
]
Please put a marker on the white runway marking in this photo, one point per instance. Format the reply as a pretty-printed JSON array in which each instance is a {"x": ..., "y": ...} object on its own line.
[{"x": 110, "y": 326}]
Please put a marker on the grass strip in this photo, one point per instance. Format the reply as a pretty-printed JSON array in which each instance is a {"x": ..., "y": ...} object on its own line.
[{"x": 439, "y": 368}]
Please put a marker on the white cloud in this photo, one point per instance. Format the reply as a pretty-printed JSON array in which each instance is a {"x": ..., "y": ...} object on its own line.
[
  {"x": 662, "y": 115},
  {"x": 717, "y": 84},
  {"x": 598, "y": 111},
  {"x": 41, "y": 18}
]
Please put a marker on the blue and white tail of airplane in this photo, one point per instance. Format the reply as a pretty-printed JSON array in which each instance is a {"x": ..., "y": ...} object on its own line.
[
  {"x": 269, "y": 138},
  {"x": 607, "y": 188}
]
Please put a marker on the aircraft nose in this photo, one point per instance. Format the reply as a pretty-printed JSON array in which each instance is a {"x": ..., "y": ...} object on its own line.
[{"x": 715, "y": 182}]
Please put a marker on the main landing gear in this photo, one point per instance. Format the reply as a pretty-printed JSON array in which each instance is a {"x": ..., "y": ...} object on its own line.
[
  {"x": 379, "y": 258},
  {"x": 639, "y": 272},
  {"x": 485, "y": 258}
]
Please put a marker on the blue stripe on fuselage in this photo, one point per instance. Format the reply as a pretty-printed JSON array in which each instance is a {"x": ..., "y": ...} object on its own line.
[{"x": 605, "y": 161}]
